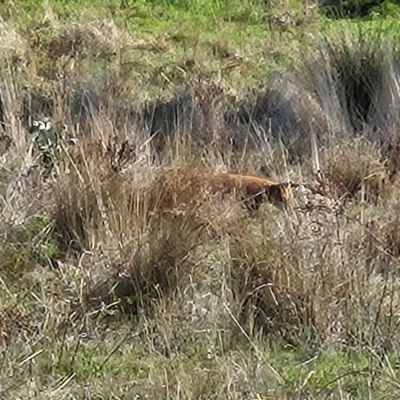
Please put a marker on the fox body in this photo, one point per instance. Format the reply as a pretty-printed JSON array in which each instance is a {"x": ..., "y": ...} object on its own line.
[
  {"x": 253, "y": 190},
  {"x": 179, "y": 189}
]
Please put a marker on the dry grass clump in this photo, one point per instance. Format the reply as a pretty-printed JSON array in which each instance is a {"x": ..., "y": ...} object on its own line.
[
  {"x": 392, "y": 162},
  {"x": 353, "y": 78},
  {"x": 12, "y": 324},
  {"x": 261, "y": 283},
  {"x": 353, "y": 170},
  {"x": 195, "y": 113},
  {"x": 383, "y": 236},
  {"x": 314, "y": 289},
  {"x": 148, "y": 269},
  {"x": 176, "y": 188},
  {"x": 103, "y": 183},
  {"x": 111, "y": 208},
  {"x": 359, "y": 66}
]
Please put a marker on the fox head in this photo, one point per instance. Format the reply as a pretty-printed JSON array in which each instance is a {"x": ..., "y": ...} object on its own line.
[
  {"x": 286, "y": 191},
  {"x": 280, "y": 195}
]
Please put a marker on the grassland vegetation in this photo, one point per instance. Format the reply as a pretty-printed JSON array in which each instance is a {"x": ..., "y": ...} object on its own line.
[{"x": 105, "y": 293}]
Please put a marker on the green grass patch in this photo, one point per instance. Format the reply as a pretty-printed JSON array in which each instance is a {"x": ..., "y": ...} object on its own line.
[{"x": 24, "y": 246}]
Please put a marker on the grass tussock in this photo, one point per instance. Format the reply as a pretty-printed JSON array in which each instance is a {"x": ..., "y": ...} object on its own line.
[{"x": 356, "y": 169}]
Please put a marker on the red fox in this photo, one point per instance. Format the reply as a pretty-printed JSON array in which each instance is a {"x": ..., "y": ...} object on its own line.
[
  {"x": 183, "y": 189},
  {"x": 253, "y": 190}
]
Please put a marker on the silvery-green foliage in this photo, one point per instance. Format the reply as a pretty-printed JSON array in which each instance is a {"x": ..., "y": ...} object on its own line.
[
  {"x": 46, "y": 143},
  {"x": 44, "y": 135}
]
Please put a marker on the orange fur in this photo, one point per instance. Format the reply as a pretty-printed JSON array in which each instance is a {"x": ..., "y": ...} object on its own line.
[
  {"x": 181, "y": 188},
  {"x": 252, "y": 189}
]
